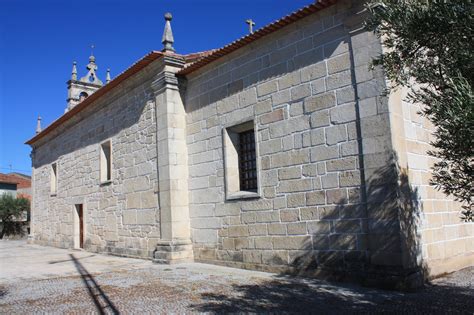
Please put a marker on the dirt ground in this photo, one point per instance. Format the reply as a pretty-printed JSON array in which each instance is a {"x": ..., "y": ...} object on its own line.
[{"x": 36, "y": 279}]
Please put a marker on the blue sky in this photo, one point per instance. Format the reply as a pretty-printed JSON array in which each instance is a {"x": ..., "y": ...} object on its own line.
[{"x": 39, "y": 40}]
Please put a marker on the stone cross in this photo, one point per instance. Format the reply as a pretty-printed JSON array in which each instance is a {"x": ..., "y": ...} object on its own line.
[{"x": 251, "y": 25}]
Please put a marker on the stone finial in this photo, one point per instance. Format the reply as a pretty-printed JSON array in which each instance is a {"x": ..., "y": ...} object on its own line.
[
  {"x": 168, "y": 39},
  {"x": 91, "y": 65},
  {"x": 74, "y": 71},
  {"x": 251, "y": 24},
  {"x": 91, "y": 76},
  {"x": 38, "y": 125},
  {"x": 107, "y": 77}
]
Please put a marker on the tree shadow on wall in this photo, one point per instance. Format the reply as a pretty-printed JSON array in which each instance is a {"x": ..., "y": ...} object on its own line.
[
  {"x": 387, "y": 254},
  {"x": 374, "y": 237}
]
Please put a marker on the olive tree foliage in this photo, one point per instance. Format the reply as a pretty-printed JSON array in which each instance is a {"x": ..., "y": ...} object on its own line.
[
  {"x": 11, "y": 211},
  {"x": 430, "y": 49}
]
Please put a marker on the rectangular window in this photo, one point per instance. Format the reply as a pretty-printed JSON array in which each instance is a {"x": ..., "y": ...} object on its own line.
[
  {"x": 240, "y": 160},
  {"x": 247, "y": 161},
  {"x": 78, "y": 226},
  {"x": 105, "y": 162},
  {"x": 54, "y": 178}
]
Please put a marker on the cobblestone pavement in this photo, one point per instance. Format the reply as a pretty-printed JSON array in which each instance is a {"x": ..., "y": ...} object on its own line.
[{"x": 35, "y": 279}]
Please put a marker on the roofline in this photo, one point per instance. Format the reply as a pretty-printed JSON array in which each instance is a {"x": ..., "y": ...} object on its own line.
[
  {"x": 136, "y": 67},
  {"x": 16, "y": 174},
  {"x": 212, "y": 56},
  {"x": 268, "y": 29}
]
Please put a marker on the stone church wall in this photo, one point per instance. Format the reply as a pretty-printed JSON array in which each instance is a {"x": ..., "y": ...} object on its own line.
[
  {"x": 297, "y": 85},
  {"x": 121, "y": 217},
  {"x": 446, "y": 242},
  {"x": 338, "y": 191},
  {"x": 343, "y": 177}
]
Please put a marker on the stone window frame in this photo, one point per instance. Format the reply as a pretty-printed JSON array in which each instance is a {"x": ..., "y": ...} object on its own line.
[
  {"x": 231, "y": 160},
  {"x": 53, "y": 179},
  {"x": 105, "y": 165}
]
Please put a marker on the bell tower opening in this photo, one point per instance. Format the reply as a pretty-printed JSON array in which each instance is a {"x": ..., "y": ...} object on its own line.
[{"x": 83, "y": 96}]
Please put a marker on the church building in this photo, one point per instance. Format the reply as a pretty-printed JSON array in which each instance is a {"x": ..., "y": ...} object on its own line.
[{"x": 280, "y": 151}]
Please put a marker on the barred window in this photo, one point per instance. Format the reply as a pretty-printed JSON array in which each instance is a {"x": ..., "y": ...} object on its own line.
[
  {"x": 241, "y": 161},
  {"x": 247, "y": 161}
]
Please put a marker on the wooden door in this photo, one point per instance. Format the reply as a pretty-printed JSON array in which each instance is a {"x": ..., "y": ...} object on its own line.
[{"x": 81, "y": 225}]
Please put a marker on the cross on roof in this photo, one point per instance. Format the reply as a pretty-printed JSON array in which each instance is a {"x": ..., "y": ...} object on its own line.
[{"x": 251, "y": 24}]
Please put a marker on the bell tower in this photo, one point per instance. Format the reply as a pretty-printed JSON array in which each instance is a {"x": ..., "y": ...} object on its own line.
[{"x": 78, "y": 90}]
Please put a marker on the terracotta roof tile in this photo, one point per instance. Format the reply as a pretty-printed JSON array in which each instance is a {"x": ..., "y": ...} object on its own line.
[
  {"x": 190, "y": 58},
  {"x": 11, "y": 178}
]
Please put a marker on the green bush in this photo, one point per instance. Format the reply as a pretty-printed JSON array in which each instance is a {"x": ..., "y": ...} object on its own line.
[{"x": 11, "y": 212}]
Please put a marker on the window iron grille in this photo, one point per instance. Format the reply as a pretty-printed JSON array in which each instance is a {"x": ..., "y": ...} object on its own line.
[{"x": 247, "y": 161}]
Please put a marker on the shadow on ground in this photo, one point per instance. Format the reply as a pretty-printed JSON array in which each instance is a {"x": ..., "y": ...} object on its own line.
[
  {"x": 302, "y": 296},
  {"x": 68, "y": 260},
  {"x": 101, "y": 301}
]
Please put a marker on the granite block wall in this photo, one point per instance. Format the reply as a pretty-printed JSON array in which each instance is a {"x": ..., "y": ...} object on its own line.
[
  {"x": 121, "y": 216},
  {"x": 446, "y": 242},
  {"x": 300, "y": 87}
]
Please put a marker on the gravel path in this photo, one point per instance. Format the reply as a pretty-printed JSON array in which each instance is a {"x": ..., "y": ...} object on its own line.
[{"x": 191, "y": 288}]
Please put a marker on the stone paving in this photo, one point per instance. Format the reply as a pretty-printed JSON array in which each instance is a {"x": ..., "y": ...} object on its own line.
[{"x": 35, "y": 279}]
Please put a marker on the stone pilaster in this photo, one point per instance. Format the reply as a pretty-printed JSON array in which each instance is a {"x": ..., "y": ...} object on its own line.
[{"x": 175, "y": 244}]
